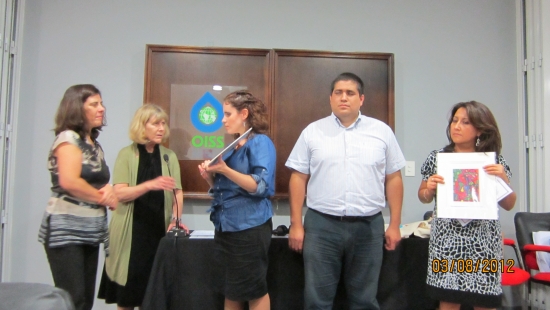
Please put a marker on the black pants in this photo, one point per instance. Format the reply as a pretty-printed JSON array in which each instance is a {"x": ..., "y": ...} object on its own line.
[{"x": 74, "y": 269}]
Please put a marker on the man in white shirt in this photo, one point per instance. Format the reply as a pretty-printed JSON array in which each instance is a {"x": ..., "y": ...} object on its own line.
[{"x": 353, "y": 163}]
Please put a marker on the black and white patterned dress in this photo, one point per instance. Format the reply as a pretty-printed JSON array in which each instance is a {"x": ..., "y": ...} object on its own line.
[{"x": 451, "y": 243}]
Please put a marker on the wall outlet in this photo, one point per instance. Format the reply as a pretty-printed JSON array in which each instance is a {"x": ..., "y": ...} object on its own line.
[{"x": 410, "y": 169}]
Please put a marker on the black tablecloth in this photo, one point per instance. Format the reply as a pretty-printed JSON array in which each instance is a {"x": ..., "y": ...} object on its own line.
[{"x": 183, "y": 277}]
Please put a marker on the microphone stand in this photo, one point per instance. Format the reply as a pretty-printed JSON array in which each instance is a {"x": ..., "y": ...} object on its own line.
[{"x": 176, "y": 229}]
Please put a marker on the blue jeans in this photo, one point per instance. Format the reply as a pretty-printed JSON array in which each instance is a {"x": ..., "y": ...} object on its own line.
[{"x": 333, "y": 247}]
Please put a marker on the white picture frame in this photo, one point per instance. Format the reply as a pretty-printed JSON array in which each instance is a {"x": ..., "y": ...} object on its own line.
[{"x": 469, "y": 192}]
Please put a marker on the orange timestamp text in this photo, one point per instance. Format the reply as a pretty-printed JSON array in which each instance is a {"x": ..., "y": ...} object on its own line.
[{"x": 472, "y": 265}]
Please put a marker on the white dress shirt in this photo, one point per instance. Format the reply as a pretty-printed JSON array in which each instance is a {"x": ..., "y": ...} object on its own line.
[{"x": 347, "y": 166}]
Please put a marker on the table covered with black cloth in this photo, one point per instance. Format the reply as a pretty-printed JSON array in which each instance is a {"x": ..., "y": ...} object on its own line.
[{"x": 184, "y": 277}]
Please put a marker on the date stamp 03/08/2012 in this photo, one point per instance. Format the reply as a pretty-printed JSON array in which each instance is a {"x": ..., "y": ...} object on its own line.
[{"x": 472, "y": 265}]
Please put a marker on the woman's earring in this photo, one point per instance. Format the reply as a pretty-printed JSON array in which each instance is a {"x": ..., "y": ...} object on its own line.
[
  {"x": 477, "y": 141},
  {"x": 244, "y": 124}
]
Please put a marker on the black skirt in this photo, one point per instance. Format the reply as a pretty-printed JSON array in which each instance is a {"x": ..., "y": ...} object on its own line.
[{"x": 242, "y": 260}]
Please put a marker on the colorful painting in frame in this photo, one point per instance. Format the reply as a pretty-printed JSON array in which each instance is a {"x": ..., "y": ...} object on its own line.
[
  {"x": 466, "y": 185},
  {"x": 468, "y": 192}
]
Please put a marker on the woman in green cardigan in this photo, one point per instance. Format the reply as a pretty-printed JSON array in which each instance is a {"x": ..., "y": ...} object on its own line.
[{"x": 146, "y": 210}]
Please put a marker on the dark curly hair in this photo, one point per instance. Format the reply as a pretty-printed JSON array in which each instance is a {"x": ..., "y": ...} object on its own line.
[
  {"x": 70, "y": 113},
  {"x": 483, "y": 120},
  {"x": 257, "y": 111}
]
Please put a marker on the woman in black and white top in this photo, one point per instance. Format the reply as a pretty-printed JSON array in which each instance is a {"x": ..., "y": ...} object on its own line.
[{"x": 75, "y": 221}]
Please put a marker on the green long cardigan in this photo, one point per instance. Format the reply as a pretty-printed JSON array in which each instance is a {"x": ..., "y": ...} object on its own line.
[{"x": 120, "y": 227}]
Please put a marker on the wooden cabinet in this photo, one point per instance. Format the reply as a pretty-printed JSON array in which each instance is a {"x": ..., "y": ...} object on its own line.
[{"x": 294, "y": 84}]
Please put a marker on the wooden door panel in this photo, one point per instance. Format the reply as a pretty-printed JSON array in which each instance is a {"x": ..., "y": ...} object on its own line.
[
  {"x": 301, "y": 91},
  {"x": 167, "y": 66}
]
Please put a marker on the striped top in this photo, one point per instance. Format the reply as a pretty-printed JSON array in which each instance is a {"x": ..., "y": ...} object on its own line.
[
  {"x": 68, "y": 220},
  {"x": 347, "y": 166}
]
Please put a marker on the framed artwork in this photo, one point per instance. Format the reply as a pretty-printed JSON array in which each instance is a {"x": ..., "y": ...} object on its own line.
[{"x": 469, "y": 192}]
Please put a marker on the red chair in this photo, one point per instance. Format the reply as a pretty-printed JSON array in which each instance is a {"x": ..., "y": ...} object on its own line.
[
  {"x": 526, "y": 223},
  {"x": 516, "y": 275},
  {"x": 530, "y": 251}
]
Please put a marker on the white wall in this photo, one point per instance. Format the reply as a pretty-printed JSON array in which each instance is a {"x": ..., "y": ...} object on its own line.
[{"x": 445, "y": 52}]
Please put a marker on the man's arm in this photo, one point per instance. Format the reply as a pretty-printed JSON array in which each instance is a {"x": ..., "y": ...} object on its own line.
[
  {"x": 394, "y": 194},
  {"x": 297, "y": 192}
]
